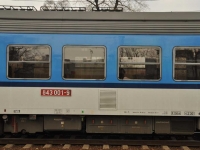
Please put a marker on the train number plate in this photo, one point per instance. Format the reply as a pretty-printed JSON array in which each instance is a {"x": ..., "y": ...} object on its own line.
[{"x": 55, "y": 92}]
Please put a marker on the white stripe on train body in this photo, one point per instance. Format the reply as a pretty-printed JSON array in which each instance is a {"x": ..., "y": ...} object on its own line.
[{"x": 101, "y": 101}]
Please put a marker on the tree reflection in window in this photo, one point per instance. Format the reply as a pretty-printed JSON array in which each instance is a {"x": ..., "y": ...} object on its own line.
[
  {"x": 84, "y": 62},
  {"x": 141, "y": 63},
  {"x": 187, "y": 63},
  {"x": 28, "y": 62}
]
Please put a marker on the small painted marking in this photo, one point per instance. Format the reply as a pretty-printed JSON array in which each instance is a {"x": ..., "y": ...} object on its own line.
[
  {"x": 189, "y": 113},
  {"x": 56, "y": 92},
  {"x": 57, "y": 111},
  {"x": 16, "y": 111},
  {"x": 175, "y": 113}
]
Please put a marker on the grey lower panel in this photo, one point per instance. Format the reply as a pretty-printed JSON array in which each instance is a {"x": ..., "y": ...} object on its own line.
[
  {"x": 138, "y": 125},
  {"x": 174, "y": 125},
  {"x": 24, "y": 123},
  {"x": 162, "y": 125},
  {"x": 102, "y": 124},
  {"x": 182, "y": 125},
  {"x": 62, "y": 123},
  {"x": 112, "y": 124}
]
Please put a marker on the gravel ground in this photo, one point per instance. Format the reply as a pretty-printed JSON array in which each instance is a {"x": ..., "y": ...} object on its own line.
[{"x": 79, "y": 147}]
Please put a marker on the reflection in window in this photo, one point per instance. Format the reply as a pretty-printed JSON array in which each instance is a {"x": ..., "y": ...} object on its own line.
[
  {"x": 28, "y": 62},
  {"x": 84, "y": 62},
  {"x": 141, "y": 63},
  {"x": 187, "y": 63}
]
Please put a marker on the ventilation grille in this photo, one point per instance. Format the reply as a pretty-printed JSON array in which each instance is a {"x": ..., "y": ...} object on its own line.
[
  {"x": 114, "y": 27},
  {"x": 107, "y": 100}
]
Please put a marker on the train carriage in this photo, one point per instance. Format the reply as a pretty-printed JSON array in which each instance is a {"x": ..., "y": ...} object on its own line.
[{"x": 115, "y": 72}]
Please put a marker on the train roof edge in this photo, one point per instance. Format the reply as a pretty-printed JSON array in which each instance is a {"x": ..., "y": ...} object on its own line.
[{"x": 123, "y": 16}]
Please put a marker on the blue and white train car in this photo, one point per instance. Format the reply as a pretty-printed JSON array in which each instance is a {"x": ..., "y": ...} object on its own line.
[{"x": 114, "y": 72}]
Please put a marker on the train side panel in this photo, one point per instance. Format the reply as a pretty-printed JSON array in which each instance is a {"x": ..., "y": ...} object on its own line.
[{"x": 141, "y": 100}]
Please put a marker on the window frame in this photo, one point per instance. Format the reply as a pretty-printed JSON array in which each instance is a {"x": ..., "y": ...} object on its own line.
[
  {"x": 160, "y": 63},
  {"x": 180, "y": 63},
  {"x": 105, "y": 62},
  {"x": 50, "y": 61}
]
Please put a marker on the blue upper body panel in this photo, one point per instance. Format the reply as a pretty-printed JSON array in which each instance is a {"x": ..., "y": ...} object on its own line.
[{"x": 111, "y": 42}]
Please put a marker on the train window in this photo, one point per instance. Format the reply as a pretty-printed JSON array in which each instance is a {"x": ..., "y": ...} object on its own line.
[
  {"x": 84, "y": 62},
  {"x": 139, "y": 63},
  {"x": 186, "y": 63},
  {"x": 28, "y": 62}
]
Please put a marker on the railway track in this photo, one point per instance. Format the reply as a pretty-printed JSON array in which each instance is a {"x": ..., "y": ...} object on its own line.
[
  {"x": 100, "y": 142},
  {"x": 92, "y": 147}
]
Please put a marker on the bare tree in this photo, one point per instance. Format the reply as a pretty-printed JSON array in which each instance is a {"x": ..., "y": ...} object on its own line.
[
  {"x": 62, "y": 3},
  {"x": 128, "y": 5}
]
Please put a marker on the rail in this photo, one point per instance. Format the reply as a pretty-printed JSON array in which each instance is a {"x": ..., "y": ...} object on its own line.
[{"x": 102, "y": 139}]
